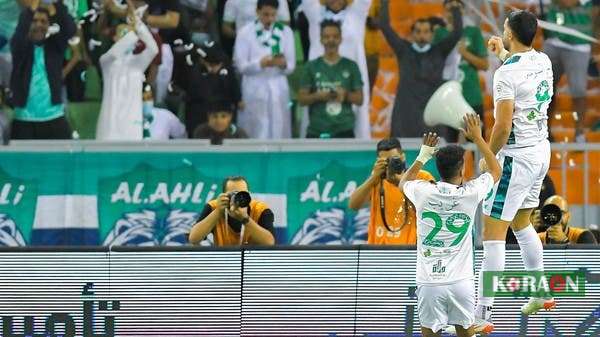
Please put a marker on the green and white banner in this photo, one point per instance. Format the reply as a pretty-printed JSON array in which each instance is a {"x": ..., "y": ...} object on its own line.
[{"x": 150, "y": 198}]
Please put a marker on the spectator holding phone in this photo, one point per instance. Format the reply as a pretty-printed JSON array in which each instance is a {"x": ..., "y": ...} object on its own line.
[
  {"x": 264, "y": 54},
  {"x": 330, "y": 85}
]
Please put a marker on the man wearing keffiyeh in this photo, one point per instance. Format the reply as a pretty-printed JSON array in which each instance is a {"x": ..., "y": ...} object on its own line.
[{"x": 264, "y": 54}]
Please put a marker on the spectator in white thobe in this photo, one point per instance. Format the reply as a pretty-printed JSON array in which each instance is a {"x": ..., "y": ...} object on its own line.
[
  {"x": 123, "y": 73},
  {"x": 264, "y": 54}
]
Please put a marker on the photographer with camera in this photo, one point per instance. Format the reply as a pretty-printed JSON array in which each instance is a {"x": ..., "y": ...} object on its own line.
[
  {"x": 392, "y": 219},
  {"x": 234, "y": 218},
  {"x": 552, "y": 224}
]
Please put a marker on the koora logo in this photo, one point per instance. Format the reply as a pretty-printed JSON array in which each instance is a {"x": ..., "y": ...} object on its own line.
[{"x": 533, "y": 284}]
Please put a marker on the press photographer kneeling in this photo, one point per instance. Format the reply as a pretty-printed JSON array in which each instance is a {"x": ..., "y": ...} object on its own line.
[
  {"x": 234, "y": 218},
  {"x": 552, "y": 223}
]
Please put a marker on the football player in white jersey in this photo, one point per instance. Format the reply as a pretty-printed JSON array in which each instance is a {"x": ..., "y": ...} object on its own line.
[
  {"x": 445, "y": 214},
  {"x": 523, "y": 89}
]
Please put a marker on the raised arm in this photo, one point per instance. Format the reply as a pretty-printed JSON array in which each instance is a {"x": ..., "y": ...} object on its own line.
[
  {"x": 430, "y": 141},
  {"x": 449, "y": 42},
  {"x": 144, "y": 59},
  {"x": 68, "y": 29},
  {"x": 473, "y": 132},
  {"x": 360, "y": 196},
  {"x": 398, "y": 44},
  {"x": 169, "y": 20},
  {"x": 21, "y": 36},
  {"x": 209, "y": 218},
  {"x": 119, "y": 49},
  {"x": 361, "y": 8}
]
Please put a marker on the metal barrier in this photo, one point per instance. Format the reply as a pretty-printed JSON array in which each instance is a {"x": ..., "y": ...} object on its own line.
[{"x": 258, "y": 292}]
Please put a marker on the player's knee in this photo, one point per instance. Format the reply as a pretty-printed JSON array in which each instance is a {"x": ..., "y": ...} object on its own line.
[
  {"x": 494, "y": 229},
  {"x": 429, "y": 333},
  {"x": 462, "y": 332}
]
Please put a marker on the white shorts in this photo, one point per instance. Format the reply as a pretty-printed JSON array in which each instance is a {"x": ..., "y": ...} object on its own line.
[
  {"x": 523, "y": 171},
  {"x": 448, "y": 304}
]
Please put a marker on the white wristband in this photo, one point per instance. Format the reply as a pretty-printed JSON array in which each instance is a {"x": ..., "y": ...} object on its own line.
[
  {"x": 503, "y": 55},
  {"x": 425, "y": 154}
]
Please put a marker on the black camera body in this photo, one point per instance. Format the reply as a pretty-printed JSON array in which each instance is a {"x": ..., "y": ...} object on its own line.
[
  {"x": 239, "y": 199},
  {"x": 396, "y": 165},
  {"x": 551, "y": 215}
]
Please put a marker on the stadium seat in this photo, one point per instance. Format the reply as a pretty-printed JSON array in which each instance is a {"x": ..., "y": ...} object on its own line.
[
  {"x": 592, "y": 136},
  {"x": 563, "y": 135}
]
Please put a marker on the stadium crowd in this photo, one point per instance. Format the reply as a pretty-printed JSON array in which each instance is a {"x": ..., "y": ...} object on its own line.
[{"x": 264, "y": 69}]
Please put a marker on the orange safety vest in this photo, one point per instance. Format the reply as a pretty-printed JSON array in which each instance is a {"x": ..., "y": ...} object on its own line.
[
  {"x": 573, "y": 234},
  {"x": 223, "y": 235},
  {"x": 399, "y": 213}
]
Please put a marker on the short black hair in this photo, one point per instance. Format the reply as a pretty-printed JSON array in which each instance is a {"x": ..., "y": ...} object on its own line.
[
  {"x": 388, "y": 144},
  {"x": 271, "y": 3},
  {"x": 219, "y": 106},
  {"x": 331, "y": 23},
  {"x": 233, "y": 178},
  {"x": 523, "y": 25},
  {"x": 449, "y": 161},
  {"x": 43, "y": 10},
  {"x": 449, "y": 1},
  {"x": 436, "y": 21},
  {"x": 420, "y": 20}
]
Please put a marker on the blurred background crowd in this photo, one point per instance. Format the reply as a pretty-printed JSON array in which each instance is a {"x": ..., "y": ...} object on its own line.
[{"x": 215, "y": 69}]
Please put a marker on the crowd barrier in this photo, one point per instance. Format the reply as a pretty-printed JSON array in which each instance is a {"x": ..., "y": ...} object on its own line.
[
  {"x": 150, "y": 193},
  {"x": 285, "y": 291}
]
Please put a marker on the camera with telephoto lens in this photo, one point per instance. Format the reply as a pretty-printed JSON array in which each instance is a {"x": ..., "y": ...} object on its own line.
[
  {"x": 239, "y": 199},
  {"x": 551, "y": 215},
  {"x": 396, "y": 165}
]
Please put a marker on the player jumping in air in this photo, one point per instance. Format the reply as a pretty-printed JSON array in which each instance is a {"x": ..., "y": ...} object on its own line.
[
  {"x": 523, "y": 89},
  {"x": 445, "y": 214}
]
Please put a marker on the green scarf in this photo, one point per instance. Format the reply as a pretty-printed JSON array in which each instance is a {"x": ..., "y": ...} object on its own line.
[{"x": 270, "y": 38}]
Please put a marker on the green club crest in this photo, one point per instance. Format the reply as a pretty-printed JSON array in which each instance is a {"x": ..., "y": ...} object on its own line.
[{"x": 543, "y": 93}]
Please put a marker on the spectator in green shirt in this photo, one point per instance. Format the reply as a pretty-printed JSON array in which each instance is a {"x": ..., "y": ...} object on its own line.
[
  {"x": 329, "y": 86},
  {"x": 471, "y": 54}
]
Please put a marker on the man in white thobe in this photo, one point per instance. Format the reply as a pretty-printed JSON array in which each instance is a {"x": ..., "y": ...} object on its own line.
[
  {"x": 353, "y": 18},
  {"x": 264, "y": 54},
  {"x": 123, "y": 73}
]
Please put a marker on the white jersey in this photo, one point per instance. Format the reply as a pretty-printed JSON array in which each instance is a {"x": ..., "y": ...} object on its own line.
[
  {"x": 445, "y": 216},
  {"x": 527, "y": 79}
]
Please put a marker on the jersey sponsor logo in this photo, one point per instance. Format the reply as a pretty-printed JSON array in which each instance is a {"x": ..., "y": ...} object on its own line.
[
  {"x": 542, "y": 94},
  {"x": 438, "y": 268}
]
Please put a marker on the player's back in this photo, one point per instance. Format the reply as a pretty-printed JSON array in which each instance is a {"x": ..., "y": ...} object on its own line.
[
  {"x": 527, "y": 79},
  {"x": 445, "y": 217}
]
